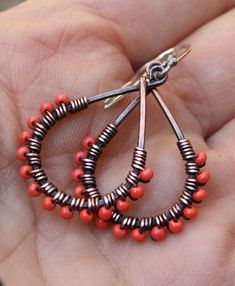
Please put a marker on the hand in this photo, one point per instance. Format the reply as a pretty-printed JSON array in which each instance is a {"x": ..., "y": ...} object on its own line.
[{"x": 81, "y": 48}]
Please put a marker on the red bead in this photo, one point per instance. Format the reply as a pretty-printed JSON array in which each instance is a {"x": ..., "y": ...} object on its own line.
[
  {"x": 158, "y": 233},
  {"x": 66, "y": 213},
  {"x": 32, "y": 120},
  {"x": 146, "y": 175},
  {"x": 175, "y": 226},
  {"x": 24, "y": 172},
  {"x": 203, "y": 177},
  {"x": 199, "y": 196},
  {"x": 118, "y": 232},
  {"x": 76, "y": 175},
  {"x": 101, "y": 223},
  {"x": 33, "y": 190},
  {"x": 21, "y": 152},
  {"x": 190, "y": 212},
  {"x": 78, "y": 156},
  {"x": 201, "y": 159},
  {"x": 122, "y": 205},
  {"x": 136, "y": 192},
  {"x": 24, "y": 135},
  {"x": 86, "y": 216},
  {"x": 137, "y": 235},
  {"x": 78, "y": 192},
  {"x": 48, "y": 204},
  {"x": 46, "y": 107},
  {"x": 62, "y": 99},
  {"x": 104, "y": 213},
  {"x": 88, "y": 141}
]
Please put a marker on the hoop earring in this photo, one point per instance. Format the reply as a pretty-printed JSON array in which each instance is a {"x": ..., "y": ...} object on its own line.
[
  {"x": 148, "y": 78},
  {"x": 193, "y": 193}
]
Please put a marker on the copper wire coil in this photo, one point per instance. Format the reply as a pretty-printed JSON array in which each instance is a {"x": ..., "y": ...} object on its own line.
[
  {"x": 48, "y": 120},
  {"x": 78, "y": 104},
  {"x": 48, "y": 188},
  {"x": 40, "y": 131},
  {"x": 93, "y": 204},
  {"x": 92, "y": 193},
  {"x": 129, "y": 222},
  {"x": 109, "y": 199},
  {"x": 139, "y": 158},
  {"x": 107, "y": 134},
  {"x": 61, "y": 111},
  {"x": 38, "y": 175},
  {"x": 61, "y": 198},
  {"x": 34, "y": 159},
  {"x": 88, "y": 180},
  {"x": 161, "y": 220},
  {"x": 191, "y": 184},
  {"x": 132, "y": 178},
  {"x": 89, "y": 165},
  {"x": 186, "y": 149},
  {"x": 122, "y": 191},
  {"x": 191, "y": 168},
  {"x": 77, "y": 204},
  {"x": 95, "y": 152},
  {"x": 34, "y": 145}
]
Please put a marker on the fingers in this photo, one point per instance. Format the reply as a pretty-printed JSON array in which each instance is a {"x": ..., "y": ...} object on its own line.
[
  {"x": 142, "y": 28},
  {"x": 147, "y": 27},
  {"x": 205, "y": 81}
]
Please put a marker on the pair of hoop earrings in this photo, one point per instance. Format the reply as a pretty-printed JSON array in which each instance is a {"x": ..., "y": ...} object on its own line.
[{"x": 109, "y": 208}]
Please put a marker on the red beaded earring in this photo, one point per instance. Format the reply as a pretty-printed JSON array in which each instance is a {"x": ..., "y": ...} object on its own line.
[{"x": 86, "y": 198}]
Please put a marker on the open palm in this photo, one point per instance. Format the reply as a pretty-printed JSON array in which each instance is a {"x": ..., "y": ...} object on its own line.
[{"x": 81, "y": 48}]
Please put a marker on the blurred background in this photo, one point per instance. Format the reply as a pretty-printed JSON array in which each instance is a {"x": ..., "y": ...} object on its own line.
[{"x": 5, "y": 4}]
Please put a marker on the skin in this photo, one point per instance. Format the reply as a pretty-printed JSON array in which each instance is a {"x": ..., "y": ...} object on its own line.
[{"x": 81, "y": 48}]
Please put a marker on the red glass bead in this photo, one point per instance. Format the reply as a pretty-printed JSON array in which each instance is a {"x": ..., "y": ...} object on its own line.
[
  {"x": 24, "y": 172},
  {"x": 78, "y": 192},
  {"x": 86, "y": 216},
  {"x": 201, "y": 159},
  {"x": 33, "y": 190},
  {"x": 175, "y": 226},
  {"x": 76, "y": 173},
  {"x": 136, "y": 192},
  {"x": 101, "y": 223},
  {"x": 118, "y": 232},
  {"x": 32, "y": 120},
  {"x": 199, "y": 196},
  {"x": 190, "y": 212},
  {"x": 146, "y": 175},
  {"x": 122, "y": 205},
  {"x": 88, "y": 141},
  {"x": 24, "y": 135},
  {"x": 79, "y": 156},
  {"x": 46, "y": 107},
  {"x": 62, "y": 99},
  {"x": 203, "y": 177},
  {"x": 104, "y": 213},
  {"x": 66, "y": 213},
  {"x": 137, "y": 235},
  {"x": 158, "y": 233},
  {"x": 48, "y": 204},
  {"x": 21, "y": 152}
]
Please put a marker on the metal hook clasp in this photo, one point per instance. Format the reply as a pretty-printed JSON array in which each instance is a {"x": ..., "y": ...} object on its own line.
[{"x": 167, "y": 59}]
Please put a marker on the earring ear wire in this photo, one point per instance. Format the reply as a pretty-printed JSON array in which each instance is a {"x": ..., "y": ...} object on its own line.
[{"x": 162, "y": 63}]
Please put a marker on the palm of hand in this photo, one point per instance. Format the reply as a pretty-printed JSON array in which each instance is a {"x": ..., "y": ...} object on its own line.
[{"x": 81, "y": 49}]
